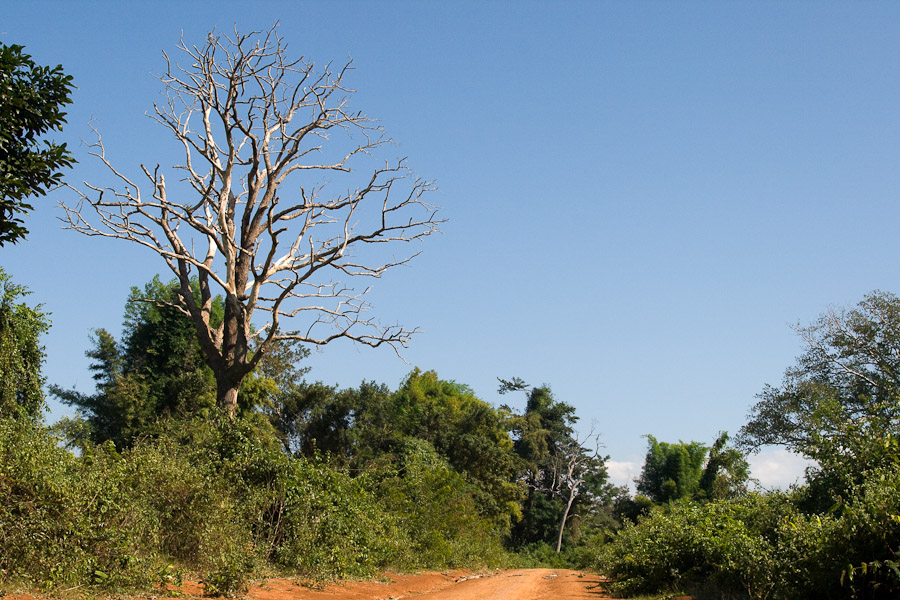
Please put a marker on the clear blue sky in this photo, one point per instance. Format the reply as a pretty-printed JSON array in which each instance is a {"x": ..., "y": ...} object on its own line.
[{"x": 643, "y": 197}]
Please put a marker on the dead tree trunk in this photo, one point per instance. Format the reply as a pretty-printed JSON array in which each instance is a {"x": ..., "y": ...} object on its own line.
[
  {"x": 252, "y": 220},
  {"x": 573, "y": 492}
]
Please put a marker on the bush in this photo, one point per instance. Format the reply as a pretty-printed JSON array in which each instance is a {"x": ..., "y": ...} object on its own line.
[
  {"x": 541, "y": 555},
  {"x": 63, "y": 521},
  {"x": 689, "y": 547},
  {"x": 867, "y": 543},
  {"x": 222, "y": 500},
  {"x": 437, "y": 511},
  {"x": 763, "y": 546}
]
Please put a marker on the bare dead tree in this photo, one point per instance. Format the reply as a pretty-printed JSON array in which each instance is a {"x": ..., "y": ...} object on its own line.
[
  {"x": 250, "y": 218},
  {"x": 571, "y": 470}
]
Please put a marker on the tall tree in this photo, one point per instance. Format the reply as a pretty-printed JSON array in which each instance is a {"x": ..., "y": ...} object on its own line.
[
  {"x": 32, "y": 98},
  {"x": 693, "y": 470},
  {"x": 254, "y": 219},
  {"x": 544, "y": 427},
  {"x": 840, "y": 404},
  {"x": 471, "y": 434},
  {"x": 371, "y": 424},
  {"x": 562, "y": 473},
  {"x": 315, "y": 417},
  {"x": 21, "y": 353}
]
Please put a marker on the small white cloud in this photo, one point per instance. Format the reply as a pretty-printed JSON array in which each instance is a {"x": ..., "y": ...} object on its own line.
[
  {"x": 623, "y": 472},
  {"x": 777, "y": 467}
]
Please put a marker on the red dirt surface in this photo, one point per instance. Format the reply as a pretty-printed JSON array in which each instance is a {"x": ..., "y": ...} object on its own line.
[{"x": 517, "y": 584}]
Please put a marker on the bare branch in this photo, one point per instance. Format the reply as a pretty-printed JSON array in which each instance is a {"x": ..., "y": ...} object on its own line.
[{"x": 251, "y": 216}]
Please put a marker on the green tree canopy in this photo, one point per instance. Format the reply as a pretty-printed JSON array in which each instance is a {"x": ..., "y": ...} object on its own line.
[
  {"x": 469, "y": 432},
  {"x": 840, "y": 404},
  {"x": 562, "y": 476},
  {"x": 359, "y": 427},
  {"x": 543, "y": 429},
  {"x": 726, "y": 473},
  {"x": 671, "y": 471},
  {"x": 315, "y": 417},
  {"x": 155, "y": 371},
  {"x": 21, "y": 353},
  {"x": 31, "y": 101}
]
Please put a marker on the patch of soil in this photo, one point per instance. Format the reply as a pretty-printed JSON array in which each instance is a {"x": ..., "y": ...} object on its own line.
[{"x": 389, "y": 586}]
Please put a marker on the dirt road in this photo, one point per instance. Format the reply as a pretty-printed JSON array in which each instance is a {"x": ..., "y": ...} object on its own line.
[{"x": 519, "y": 584}]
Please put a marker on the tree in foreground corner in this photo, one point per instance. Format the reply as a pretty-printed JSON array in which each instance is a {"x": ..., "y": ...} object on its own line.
[
  {"x": 31, "y": 101},
  {"x": 254, "y": 217}
]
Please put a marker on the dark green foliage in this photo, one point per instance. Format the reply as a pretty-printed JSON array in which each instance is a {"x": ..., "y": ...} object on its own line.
[
  {"x": 155, "y": 372},
  {"x": 541, "y": 555},
  {"x": 690, "y": 470},
  {"x": 21, "y": 353},
  {"x": 541, "y": 515},
  {"x": 370, "y": 426},
  {"x": 628, "y": 508},
  {"x": 726, "y": 472},
  {"x": 470, "y": 434},
  {"x": 541, "y": 434},
  {"x": 314, "y": 417},
  {"x": 31, "y": 101},
  {"x": 566, "y": 482},
  {"x": 159, "y": 347},
  {"x": 438, "y": 509},
  {"x": 581, "y": 556},
  {"x": 544, "y": 427}
]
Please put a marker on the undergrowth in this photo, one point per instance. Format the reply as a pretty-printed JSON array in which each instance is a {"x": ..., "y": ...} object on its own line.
[{"x": 220, "y": 500}]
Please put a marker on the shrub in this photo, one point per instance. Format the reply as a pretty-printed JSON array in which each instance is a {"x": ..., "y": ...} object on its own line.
[
  {"x": 763, "y": 546},
  {"x": 222, "y": 500},
  {"x": 436, "y": 509},
  {"x": 689, "y": 547},
  {"x": 63, "y": 521}
]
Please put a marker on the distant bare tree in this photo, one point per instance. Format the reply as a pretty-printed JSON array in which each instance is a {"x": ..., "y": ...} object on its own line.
[
  {"x": 250, "y": 219},
  {"x": 571, "y": 469}
]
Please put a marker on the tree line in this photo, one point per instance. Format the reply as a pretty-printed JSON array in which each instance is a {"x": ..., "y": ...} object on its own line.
[
  {"x": 329, "y": 482},
  {"x": 457, "y": 481}
]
